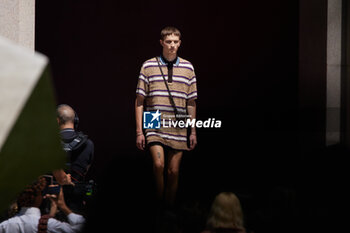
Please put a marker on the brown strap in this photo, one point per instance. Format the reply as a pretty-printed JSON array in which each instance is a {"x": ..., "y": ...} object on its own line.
[{"x": 42, "y": 226}]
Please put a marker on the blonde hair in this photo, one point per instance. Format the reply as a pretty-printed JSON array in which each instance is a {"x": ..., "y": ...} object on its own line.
[{"x": 226, "y": 212}]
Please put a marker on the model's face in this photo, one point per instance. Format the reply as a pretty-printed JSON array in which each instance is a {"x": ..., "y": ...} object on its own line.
[{"x": 171, "y": 44}]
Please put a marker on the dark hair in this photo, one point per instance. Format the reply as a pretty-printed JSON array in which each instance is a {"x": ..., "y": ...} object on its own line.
[
  {"x": 169, "y": 31},
  {"x": 27, "y": 197}
]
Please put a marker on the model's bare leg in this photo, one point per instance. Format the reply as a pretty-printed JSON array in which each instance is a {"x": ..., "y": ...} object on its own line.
[
  {"x": 157, "y": 153},
  {"x": 174, "y": 160}
]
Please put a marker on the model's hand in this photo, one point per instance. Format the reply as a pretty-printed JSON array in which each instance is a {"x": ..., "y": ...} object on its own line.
[
  {"x": 140, "y": 141},
  {"x": 193, "y": 141}
]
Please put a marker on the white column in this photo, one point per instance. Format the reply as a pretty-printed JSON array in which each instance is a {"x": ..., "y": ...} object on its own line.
[
  {"x": 334, "y": 29},
  {"x": 17, "y": 21}
]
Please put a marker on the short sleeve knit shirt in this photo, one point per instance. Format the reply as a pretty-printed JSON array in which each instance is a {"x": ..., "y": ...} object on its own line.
[{"x": 183, "y": 88}]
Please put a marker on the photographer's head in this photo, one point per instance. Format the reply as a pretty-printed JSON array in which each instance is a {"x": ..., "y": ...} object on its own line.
[
  {"x": 32, "y": 195},
  {"x": 66, "y": 116}
]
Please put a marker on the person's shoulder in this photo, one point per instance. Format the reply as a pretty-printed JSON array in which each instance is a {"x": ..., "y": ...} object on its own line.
[
  {"x": 10, "y": 221},
  {"x": 54, "y": 224},
  {"x": 9, "y": 224},
  {"x": 90, "y": 143},
  {"x": 151, "y": 61},
  {"x": 182, "y": 60},
  {"x": 86, "y": 140},
  {"x": 185, "y": 63}
]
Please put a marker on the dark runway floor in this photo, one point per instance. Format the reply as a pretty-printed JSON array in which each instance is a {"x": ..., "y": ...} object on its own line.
[{"x": 274, "y": 196}]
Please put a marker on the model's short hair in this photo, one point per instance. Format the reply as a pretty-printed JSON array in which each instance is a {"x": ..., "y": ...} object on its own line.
[{"x": 169, "y": 31}]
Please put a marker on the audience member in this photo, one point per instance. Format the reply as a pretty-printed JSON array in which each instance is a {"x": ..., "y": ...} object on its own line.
[
  {"x": 225, "y": 215},
  {"x": 29, "y": 216}
]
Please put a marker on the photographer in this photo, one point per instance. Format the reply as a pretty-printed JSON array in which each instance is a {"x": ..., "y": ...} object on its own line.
[
  {"x": 80, "y": 153},
  {"x": 29, "y": 218}
]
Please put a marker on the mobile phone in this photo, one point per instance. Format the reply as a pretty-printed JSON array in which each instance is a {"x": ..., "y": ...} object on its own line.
[
  {"x": 50, "y": 188},
  {"x": 54, "y": 190}
]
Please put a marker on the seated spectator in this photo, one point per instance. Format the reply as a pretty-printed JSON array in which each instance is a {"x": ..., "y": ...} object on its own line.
[
  {"x": 225, "y": 215},
  {"x": 29, "y": 216}
]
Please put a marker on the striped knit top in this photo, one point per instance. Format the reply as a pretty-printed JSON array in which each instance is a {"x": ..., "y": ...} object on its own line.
[{"x": 183, "y": 88}]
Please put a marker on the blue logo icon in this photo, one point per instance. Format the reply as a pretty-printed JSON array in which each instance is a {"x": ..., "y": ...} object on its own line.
[{"x": 151, "y": 120}]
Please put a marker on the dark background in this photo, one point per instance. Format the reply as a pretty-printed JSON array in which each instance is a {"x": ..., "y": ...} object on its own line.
[{"x": 246, "y": 58}]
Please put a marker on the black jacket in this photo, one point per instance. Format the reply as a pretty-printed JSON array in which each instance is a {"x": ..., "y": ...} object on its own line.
[{"x": 80, "y": 153}]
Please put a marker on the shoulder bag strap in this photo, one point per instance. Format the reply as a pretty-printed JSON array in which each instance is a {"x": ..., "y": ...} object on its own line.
[{"x": 167, "y": 87}]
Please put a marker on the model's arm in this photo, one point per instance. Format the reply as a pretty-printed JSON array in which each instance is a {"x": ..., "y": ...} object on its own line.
[
  {"x": 140, "y": 138},
  {"x": 191, "y": 109}
]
